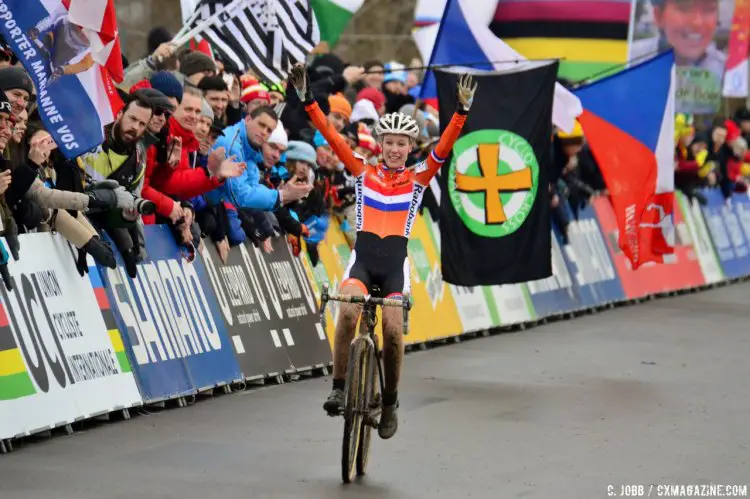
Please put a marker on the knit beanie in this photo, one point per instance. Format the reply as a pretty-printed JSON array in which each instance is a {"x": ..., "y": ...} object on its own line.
[
  {"x": 16, "y": 77},
  {"x": 367, "y": 141},
  {"x": 279, "y": 136},
  {"x": 254, "y": 90},
  {"x": 206, "y": 110},
  {"x": 166, "y": 83},
  {"x": 373, "y": 95},
  {"x": 196, "y": 62},
  {"x": 339, "y": 104},
  {"x": 364, "y": 110},
  {"x": 395, "y": 72},
  {"x": 302, "y": 151}
]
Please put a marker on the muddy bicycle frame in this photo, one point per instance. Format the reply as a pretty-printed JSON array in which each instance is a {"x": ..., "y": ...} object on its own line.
[{"x": 363, "y": 400}]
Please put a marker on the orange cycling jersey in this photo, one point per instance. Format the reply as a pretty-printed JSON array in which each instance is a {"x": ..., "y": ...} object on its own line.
[{"x": 387, "y": 200}]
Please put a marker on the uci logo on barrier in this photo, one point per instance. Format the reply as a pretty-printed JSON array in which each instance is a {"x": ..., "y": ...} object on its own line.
[
  {"x": 493, "y": 181},
  {"x": 55, "y": 338}
]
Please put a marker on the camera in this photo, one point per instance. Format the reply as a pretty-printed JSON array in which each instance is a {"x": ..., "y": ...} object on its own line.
[{"x": 144, "y": 206}]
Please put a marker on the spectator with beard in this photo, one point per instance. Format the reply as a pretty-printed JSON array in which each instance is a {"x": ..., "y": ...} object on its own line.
[{"x": 122, "y": 157}]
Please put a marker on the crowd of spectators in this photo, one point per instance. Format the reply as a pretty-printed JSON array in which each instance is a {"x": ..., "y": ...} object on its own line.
[
  {"x": 219, "y": 156},
  {"x": 224, "y": 158}
]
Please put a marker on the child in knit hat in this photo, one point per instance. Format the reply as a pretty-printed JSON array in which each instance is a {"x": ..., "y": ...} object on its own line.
[{"x": 341, "y": 111}]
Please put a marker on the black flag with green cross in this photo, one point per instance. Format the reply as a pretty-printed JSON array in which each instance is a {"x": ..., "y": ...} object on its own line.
[{"x": 494, "y": 209}]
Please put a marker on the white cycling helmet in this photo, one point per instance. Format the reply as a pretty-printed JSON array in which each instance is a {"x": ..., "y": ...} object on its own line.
[{"x": 397, "y": 124}]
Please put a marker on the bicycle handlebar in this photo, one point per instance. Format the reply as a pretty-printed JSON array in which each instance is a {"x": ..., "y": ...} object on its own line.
[
  {"x": 383, "y": 302},
  {"x": 405, "y": 304}
]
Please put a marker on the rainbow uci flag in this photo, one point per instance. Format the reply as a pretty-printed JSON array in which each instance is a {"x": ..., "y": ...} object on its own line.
[{"x": 590, "y": 36}]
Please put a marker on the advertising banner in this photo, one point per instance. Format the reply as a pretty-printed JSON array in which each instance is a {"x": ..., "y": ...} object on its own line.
[
  {"x": 700, "y": 238},
  {"x": 289, "y": 308},
  {"x": 241, "y": 300},
  {"x": 334, "y": 255},
  {"x": 590, "y": 262},
  {"x": 559, "y": 292},
  {"x": 173, "y": 329},
  {"x": 511, "y": 303},
  {"x": 473, "y": 308},
  {"x": 730, "y": 231},
  {"x": 682, "y": 271},
  {"x": 57, "y": 360},
  {"x": 434, "y": 314},
  {"x": 699, "y": 34}
]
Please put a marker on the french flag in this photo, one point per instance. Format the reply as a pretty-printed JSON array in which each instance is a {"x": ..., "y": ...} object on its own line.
[
  {"x": 47, "y": 39},
  {"x": 464, "y": 37},
  {"x": 628, "y": 122}
]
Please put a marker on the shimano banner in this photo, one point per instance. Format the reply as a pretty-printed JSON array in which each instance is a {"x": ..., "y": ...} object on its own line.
[{"x": 173, "y": 330}]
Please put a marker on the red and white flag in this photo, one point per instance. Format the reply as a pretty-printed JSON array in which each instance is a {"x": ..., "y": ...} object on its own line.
[{"x": 99, "y": 23}]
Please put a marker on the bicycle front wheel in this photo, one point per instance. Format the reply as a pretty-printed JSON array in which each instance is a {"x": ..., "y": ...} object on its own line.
[
  {"x": 356, "y": 382},
  {"x": 372, "y": 403}
]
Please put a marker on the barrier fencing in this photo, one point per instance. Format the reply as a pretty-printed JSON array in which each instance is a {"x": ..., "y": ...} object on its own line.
[{"x": 74, "y": 347}]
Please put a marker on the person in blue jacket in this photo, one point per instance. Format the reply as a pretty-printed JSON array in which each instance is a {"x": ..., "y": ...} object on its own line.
[{"x": 243, "y": 141}]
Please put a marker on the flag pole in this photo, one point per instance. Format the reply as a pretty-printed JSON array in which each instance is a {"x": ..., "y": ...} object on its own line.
[
  {"x": 187, "y": 24},
  {"x": 228, "y": 9}
]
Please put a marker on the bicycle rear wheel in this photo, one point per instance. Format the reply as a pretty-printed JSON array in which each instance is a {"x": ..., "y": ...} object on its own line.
[
  {"x": 371, "y": 402},
  {"x": 355, "y": 408}
]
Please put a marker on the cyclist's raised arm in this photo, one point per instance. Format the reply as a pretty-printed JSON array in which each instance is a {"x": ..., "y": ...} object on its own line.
[
  {"x": 298, "y": 78},
  {"x": 439, "y": 154},
  {"x": 335, "y": 140}
]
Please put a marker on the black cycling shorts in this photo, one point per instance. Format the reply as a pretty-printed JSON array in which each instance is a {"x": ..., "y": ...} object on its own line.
[{"x": 383, "y": 263}]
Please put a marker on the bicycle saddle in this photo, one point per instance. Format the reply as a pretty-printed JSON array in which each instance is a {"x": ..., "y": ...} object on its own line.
[{"x": 375, "y": 291}]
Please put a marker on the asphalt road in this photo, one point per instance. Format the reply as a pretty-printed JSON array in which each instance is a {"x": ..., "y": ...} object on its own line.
[{"x": 655, "y": 393}]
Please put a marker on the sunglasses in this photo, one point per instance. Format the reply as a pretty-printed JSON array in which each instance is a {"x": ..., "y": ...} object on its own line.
[{"x": 161, "y": 112}]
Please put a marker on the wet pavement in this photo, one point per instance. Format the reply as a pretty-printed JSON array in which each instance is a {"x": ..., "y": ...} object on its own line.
[{"x": 653, "y": 393}]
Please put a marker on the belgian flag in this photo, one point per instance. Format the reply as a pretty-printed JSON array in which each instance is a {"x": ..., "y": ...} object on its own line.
[{"x": 495, "y": 220}]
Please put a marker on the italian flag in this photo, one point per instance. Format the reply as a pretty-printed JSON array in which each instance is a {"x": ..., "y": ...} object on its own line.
[{"x": 333, "y": 16}]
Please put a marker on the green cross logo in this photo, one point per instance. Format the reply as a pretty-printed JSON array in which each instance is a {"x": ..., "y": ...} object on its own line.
[{"x": 493, "y": 181}]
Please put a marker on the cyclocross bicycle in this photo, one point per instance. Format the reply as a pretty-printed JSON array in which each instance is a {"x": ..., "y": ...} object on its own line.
[{"x": 363, "y": 394}]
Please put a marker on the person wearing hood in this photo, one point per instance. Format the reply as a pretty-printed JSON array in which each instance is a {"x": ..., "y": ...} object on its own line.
[{"x": 16, "y": 83}]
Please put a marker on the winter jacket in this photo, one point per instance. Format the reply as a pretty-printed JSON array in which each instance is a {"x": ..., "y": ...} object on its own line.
[
  {"x": 246, "y": 190},
  {"x": 181, "y": 182}
]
